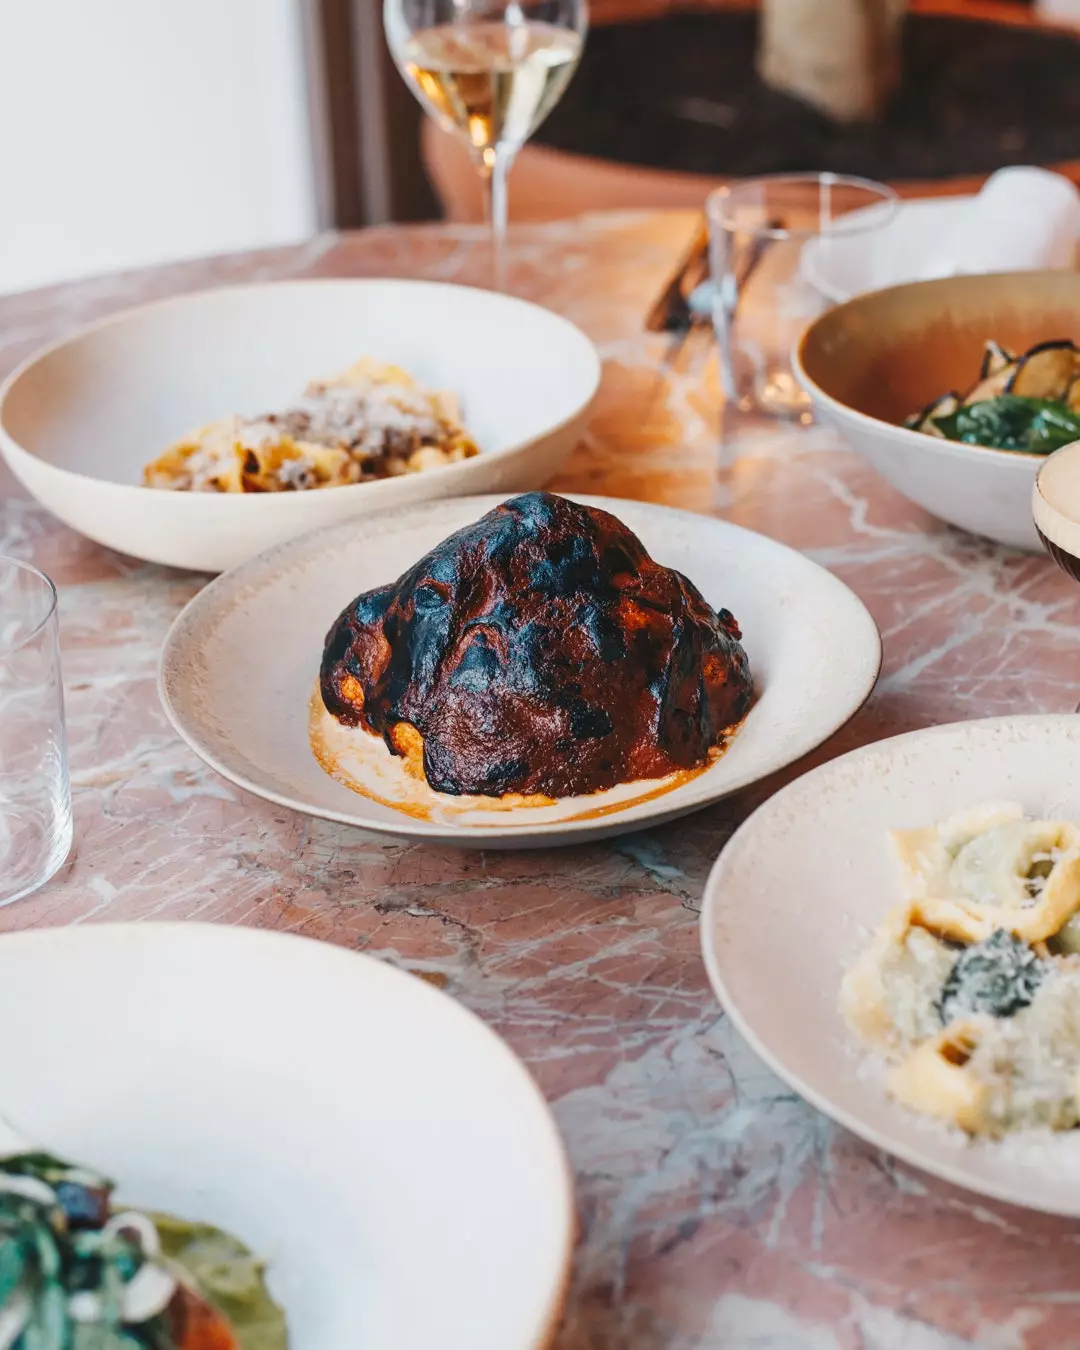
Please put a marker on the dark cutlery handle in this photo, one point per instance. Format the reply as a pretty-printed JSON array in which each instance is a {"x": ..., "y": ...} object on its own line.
[{"x": 669, "y": 311}]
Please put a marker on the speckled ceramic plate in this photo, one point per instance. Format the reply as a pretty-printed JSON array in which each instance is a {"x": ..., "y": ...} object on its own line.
[
  {"x": 240, "y": 664},
  {"x": 802, "y": 883},
  {"x": 371, "y": 1139}
]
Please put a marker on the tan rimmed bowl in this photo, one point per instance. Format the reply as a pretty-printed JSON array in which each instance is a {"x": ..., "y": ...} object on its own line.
[
  {"x": 870, "y": 362},
  {"x": 244, "y": 656}
]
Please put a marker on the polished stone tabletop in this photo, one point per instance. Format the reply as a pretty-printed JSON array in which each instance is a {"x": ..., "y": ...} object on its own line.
[{"x": 717, "y": 1210}]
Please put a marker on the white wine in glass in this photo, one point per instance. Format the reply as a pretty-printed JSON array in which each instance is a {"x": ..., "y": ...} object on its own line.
[{"x": 490, "y": 70}]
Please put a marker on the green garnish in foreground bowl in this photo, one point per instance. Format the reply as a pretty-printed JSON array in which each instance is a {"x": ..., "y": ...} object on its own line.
[
  {"x": 78, "y": 1274},
  {"x": 1036, "y": 426}
]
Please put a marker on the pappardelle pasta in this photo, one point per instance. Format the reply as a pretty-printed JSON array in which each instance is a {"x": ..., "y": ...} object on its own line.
[
  {"x": 372, "y": 421},
  {"x": 971, "y": 986}
]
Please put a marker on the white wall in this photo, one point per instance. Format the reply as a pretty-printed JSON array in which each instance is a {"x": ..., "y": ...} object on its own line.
[{"x": 136, "y": 131}]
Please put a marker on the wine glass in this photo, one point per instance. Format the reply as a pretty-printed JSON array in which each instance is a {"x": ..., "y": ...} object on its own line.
[{"x": 491, "y": 71}]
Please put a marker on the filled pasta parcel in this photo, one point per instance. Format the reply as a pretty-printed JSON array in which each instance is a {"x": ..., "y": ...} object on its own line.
[{"x": 970, "y": 987}]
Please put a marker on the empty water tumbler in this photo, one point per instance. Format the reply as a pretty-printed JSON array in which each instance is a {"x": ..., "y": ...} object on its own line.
[{"x": 35, "y": 798}]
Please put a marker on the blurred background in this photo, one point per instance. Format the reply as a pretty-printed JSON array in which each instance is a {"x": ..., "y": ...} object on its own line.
[{"x": 137, "y": 133}]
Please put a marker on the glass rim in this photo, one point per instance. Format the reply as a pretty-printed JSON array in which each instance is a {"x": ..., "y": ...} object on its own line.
[
  {"x": 886, "y": 197},
  {"x": 47, "y": 617},
  {"x": 398, "y": 31}
]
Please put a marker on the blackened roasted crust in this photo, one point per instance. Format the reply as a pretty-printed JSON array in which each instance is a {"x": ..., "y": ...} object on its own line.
[{"x": 540, "y": 651}]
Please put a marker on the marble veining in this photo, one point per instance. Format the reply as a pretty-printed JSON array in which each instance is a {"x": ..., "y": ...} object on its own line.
[{"x": 718, "y": 1211}]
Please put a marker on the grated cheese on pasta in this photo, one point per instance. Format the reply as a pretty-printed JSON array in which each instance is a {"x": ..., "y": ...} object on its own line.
[
  {"x": 373, "y": 421},
  {"x": 970, "y": 988}
]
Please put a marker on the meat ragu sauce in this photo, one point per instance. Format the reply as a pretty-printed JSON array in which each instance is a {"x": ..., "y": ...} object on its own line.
[{"x": 540, "y": 651}]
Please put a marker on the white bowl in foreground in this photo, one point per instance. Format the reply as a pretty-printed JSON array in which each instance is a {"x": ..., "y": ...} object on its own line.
[
  {"x": 245, "y": 654},
  {"x": 375, "y": 1142},
  {"x": 80, "y": 420},
  {"x": 797, "y": 891}
]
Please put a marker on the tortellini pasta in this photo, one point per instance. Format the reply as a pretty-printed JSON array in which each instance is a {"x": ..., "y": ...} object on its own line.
[{"x": 971, "y": 986}]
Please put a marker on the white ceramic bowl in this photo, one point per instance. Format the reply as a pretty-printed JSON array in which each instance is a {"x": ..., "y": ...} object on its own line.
[
  {"x": 986, "y": 492},
  {"x": 871, "y": 361},
  {"x": 79, "y": 420},
  {"x": 370, "y": 1138}
]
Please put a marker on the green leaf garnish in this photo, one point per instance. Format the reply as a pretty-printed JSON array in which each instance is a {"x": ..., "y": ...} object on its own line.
[{"x": 1035, "y": 426}]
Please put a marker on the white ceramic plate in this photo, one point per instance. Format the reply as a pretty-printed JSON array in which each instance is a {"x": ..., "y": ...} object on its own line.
[
  {"x": 79, "y": 421},
  {"x": 240, "y": 663},
  {"x": 376, "y": 1142},
  {"x": 802, "y": 883}
]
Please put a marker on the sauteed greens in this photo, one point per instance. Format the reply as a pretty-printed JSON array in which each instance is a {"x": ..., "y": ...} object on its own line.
[
  {"x": 1036, "y": 425},
  {"x": 1029, "y": 403}
]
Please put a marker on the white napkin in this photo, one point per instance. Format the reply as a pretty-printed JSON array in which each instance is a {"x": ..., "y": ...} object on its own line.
[{"x": 1022, "y": 220}]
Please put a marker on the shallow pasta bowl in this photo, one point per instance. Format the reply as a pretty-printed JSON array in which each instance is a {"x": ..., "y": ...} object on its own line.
[
  {"x": 871, "y": 362},
  {"x": 284, "y": 1090},
  {"x": 803, "y": 882},
  {"x": 80, "y": 420},
  {"x": 240, "y": 663}
]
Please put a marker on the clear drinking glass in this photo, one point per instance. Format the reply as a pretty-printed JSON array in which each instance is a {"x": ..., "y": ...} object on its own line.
[
  {"x": 35, "y": 800},
  {"x": 775, "y": 246},
  {"x": 491, "y": 71}
]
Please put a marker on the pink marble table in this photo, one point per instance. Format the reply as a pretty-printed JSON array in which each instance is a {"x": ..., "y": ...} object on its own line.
[{"x": 718, "y": 1211}]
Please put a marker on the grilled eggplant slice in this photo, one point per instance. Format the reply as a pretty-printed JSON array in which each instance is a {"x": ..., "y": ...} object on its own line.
[
  {"x": 993, "y": 386},
  {"x": 942, "y": 406},
  {"x": 1046, "y": 371},
  {"x": 995, "y": 359},
  {"x": 1029, "y": 403}
]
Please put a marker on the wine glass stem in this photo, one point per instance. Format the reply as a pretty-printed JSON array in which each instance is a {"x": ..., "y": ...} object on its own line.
[{"x": 496, "y": 168}]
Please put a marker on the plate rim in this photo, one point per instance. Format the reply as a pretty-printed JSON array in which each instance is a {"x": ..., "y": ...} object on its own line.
[
  {"x": 521, "y": 834},
  {"x": 910, "y": 1154},
  {"x": 165, "y": 931},
  {"x": 10, "y": 445}
]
